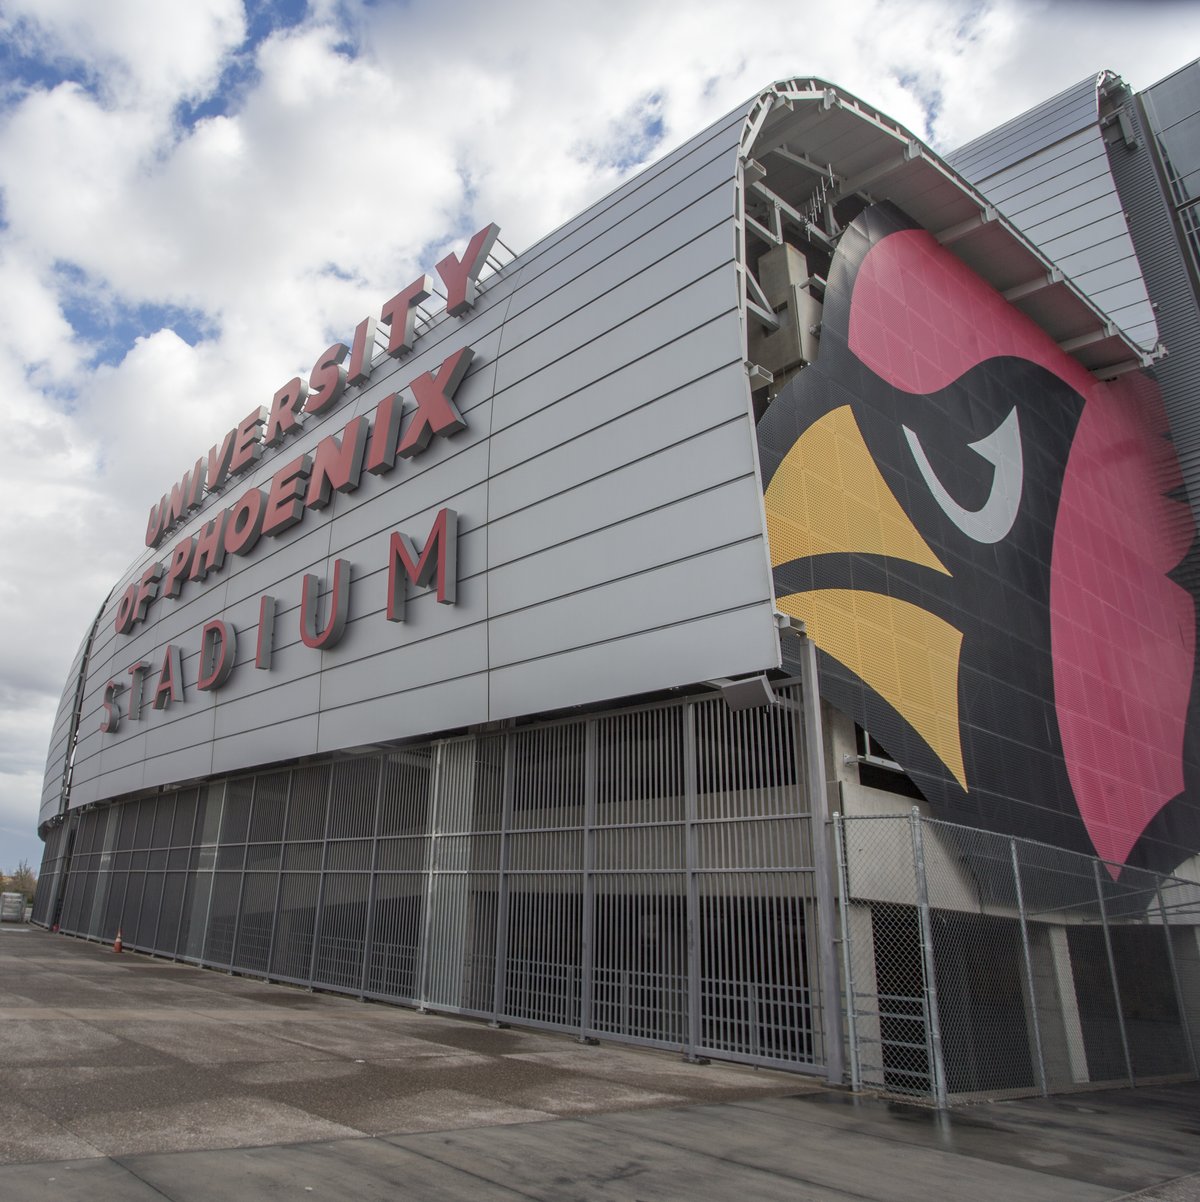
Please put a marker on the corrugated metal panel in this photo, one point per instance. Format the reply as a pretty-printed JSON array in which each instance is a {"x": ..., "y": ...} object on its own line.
[
  {"x": 1036, "y": 128},
  {"x": 1165, "y": 267},
  {"x": 606, "y": 407},
  {"x": 1047, "y": 171}
]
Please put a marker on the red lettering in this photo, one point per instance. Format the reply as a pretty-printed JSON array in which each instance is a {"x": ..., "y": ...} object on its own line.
[
  {"x": 209, "y": 553},
  {"x": 439, "y": 557},
  {"x": 285, "y": 500},
  {"x": 147, "y": 591},
  {"x": 436, "y": 413},
  {"x": 461, "y": 276},
  {"x": 339, "y": 607},
  {"x": 218, "y": 650},
  {"x": 137, "y": 678},
  {"x": 381, "y": 453},
  {"x": 362, "y": 352},
  {"x": 177, "y": 505},
  {"x": 286, "y": 411},
  {"x": 154, "y": 530},
  {"x": 111, "y": 722},
  {"x": 126, "y": 608},
  {"x": 401, "y": 314},
  {"x": 244, "y": 525},
  {"x": 181, "y": 560},
  {"x": 195, "y": 497},
  {"x": 170, "y": 679},
  {"x": 266, "y": 632},
  {"x": 327, "y": 380},
  {"x": 219, "y": 458},
  {"x": 337, "y": 464},
  {"x": 247, "y": 448}
]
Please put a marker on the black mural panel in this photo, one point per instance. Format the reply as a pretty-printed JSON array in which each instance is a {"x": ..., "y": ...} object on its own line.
[{"x": 981, "y": 538}]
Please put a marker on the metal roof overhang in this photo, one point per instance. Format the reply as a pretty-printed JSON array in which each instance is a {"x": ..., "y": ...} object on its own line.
[{"x": 812, "y": 139}]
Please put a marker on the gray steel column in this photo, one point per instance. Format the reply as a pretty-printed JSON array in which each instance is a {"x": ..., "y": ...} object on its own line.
[
  {"x": 237, "y": 914},
  {"x": 1033, "y": 1014},
  {"x": 368, "y": 938},
  {"x": 691, "y": 865},
  {"x": 588, "y": 948},
  {"x": 847, "y": 958},
  {"x": 1112, "y": 968},
  {"x": 500, "y": 973},
  {"x": 818, "y": 803},
  {"x": 435, "y": 802},
  {"x": 212, "y": 872},
  {"x": 1179, "y": 998},
  {"x": 287, "y": 814},
  {"x": 320, "y": 903},
  {"x": 937, "y": 1066}
]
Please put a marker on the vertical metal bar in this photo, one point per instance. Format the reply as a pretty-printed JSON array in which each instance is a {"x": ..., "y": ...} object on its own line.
[
  {"x": 369, "y": 932},
  {"x": 320, "y": 902},
  {"x": 500, "y": 975},
  {"x": 588, "y": 946},
  {"x": 293, "y": 777},
  {"x": 847, "y": 958},
  {"x": 1033, "y": 1012},
  {"x": 691, "y": 863},
  {"x": 1112, "y": 968},
  {"x": 241, "y": 901},
  {"x": 166, "y": 868},
  {"x": 818, "y": 804},
  {"x": 937, "y": 1068},
  {"x": 1179, "y": 998},
  {"x": 435, "y": 804},
  {"x": 212, "y": 875}
]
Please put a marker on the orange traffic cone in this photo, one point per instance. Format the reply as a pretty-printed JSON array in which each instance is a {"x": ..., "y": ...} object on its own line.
[{"x": 117, "y": 941}]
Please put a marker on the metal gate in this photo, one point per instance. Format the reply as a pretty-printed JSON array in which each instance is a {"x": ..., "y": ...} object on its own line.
[{"x": 650, "y": 875}]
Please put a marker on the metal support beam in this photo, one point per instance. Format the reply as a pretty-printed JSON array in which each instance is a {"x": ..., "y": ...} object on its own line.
[
  {"x": 802, "y": 160},
  {"x": 954, "y": 233},
  {"x": 1107, "y": 330},
  {"x": 758, "y": 304},
  {"x": 826, "y": 899},
  {"x": 881, "y": 171},
  {"x": 809, "y": 230},
  {"x": 1046, "y": 280}
]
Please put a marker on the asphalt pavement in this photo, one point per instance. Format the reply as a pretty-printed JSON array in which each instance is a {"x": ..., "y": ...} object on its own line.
[{"x": 129, "y": 1077}]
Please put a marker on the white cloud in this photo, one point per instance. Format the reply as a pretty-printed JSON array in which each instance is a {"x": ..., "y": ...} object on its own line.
[
  {"x": 360, "y": 142},
  {"x": 150, "y": 52}
]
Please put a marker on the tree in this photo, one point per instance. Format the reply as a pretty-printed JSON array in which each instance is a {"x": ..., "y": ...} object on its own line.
[{"x": 22, "y": 881}]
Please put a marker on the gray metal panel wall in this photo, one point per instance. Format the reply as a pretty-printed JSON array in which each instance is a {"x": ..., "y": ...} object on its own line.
[
  {"x": 1164, "y": 265},
  {"x": 61, "y": 738},
  {"x": 1047, "y": 171},
  {"x": 1025, "y": 134},
  {"x": 610, "y": 518}
]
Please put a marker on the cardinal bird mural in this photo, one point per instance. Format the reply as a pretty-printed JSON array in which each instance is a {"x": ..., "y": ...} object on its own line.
[{"x": 980, "y": 537}]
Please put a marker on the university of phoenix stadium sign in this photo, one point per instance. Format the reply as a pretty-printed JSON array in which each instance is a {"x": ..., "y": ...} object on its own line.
[{"x": 368, "y": 443}]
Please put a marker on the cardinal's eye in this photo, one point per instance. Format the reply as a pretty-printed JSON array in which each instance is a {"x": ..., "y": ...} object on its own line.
[{"x": 995, "y": 517}]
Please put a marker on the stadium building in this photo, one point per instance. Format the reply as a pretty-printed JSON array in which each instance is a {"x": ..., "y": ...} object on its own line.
[{"x": 759, "y": 619}]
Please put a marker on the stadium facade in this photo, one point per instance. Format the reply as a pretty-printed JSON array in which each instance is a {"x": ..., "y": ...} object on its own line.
[{"x": 514, "y": 660}]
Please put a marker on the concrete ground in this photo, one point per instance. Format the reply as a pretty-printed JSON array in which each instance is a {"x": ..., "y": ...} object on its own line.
[{"x": 125, "y": 1077}]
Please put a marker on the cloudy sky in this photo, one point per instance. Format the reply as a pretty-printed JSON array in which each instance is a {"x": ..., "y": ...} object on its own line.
[{"x": 195, "y": 194}]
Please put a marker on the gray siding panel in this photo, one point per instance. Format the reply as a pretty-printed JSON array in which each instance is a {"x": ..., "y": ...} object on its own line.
[
  {"x": 1164, "y": 262},
  {"x": 1048, "y": 172},
  {"x": 718, "y": 645},
  {"x": 606, "y": 491}
]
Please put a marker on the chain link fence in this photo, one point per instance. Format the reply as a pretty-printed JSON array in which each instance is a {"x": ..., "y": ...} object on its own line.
[{"x": 980, "y": 966}]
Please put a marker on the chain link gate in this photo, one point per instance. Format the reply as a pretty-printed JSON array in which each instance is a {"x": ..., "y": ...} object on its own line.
[
  {"x": 977, "y": 965},
  {"x": 653, "y": 875}
]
